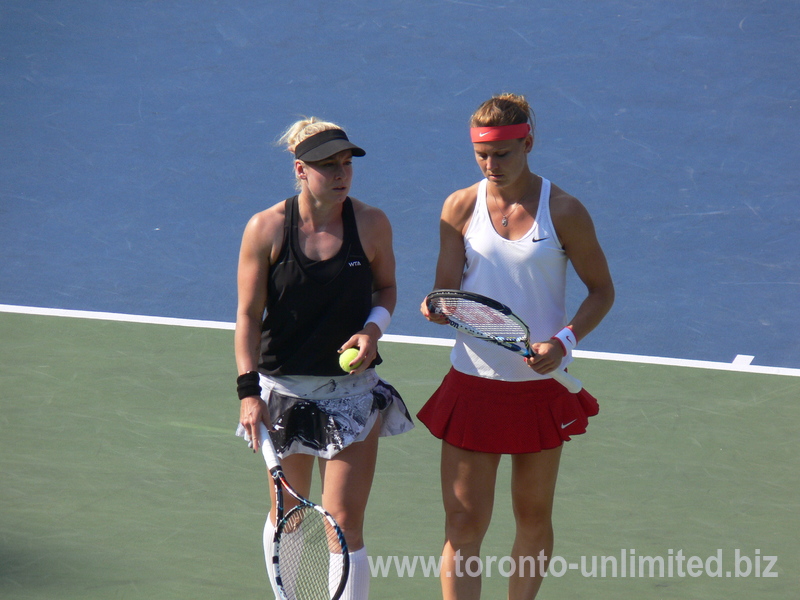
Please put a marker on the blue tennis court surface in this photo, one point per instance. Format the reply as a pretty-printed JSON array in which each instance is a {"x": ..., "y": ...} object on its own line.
[{"x": 136, "y": 141}]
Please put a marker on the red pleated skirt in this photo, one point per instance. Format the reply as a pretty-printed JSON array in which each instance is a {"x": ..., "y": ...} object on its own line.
[{"x": 506, "y": 417}]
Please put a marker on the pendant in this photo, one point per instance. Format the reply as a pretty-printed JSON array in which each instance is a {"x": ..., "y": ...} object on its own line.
[{"x": 505, "y": 221}]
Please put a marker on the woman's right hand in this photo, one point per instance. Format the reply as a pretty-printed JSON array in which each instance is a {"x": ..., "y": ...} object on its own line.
[
  {"x": 432, "y": 317},
  {"x": 252, "y": 411}
]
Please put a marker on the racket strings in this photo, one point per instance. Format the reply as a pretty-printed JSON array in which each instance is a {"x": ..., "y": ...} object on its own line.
[
  {"x": 481, "y": 318},
  {"x": 309, "y": 556}
]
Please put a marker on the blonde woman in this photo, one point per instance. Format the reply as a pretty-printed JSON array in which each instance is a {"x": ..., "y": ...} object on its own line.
[{"x": 317, "y": 276}]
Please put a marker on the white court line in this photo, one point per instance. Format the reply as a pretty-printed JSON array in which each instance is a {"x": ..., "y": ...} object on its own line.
[
  {"x": 105, "y": 316},
  {"x": 743, "y": 359},
  {"x": 740, "y": 364}
]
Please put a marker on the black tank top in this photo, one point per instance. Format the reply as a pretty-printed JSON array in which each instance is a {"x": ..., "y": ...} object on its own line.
[{"x": 313, "y": 307}]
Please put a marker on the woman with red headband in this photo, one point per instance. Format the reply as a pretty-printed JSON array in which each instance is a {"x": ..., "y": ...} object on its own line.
[
  {"x": 317, "y": 276},
  {"x": 510, "y": 237}
]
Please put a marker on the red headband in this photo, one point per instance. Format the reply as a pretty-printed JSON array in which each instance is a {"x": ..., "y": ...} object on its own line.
[{"x": 499, "y": 133}]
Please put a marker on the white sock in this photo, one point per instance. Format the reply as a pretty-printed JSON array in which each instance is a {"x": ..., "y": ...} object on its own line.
[
  {"x": 357, "y": 587},
  {"x": 269, "y": 534},
  {"x": 334, "y": 573}
]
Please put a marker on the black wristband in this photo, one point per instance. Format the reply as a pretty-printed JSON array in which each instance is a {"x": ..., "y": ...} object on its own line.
[{"x": 248, "y": 385}]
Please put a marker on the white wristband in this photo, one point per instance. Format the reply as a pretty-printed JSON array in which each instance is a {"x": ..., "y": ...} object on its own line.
[
  {"x": 380, "y": 316},
  {"x": 567, "y": 338}
]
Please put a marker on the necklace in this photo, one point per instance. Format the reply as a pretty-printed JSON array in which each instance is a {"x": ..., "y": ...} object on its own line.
[{"x": 504, "y": 221}]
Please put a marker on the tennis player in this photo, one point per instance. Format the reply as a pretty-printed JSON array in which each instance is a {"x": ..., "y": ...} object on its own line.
[
  {"x": 510, "y": 237},
  {"x": 317, "y": 276}
]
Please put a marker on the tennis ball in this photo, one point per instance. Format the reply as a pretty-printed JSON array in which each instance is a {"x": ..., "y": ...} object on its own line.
[{"x": 346, "y": 357}]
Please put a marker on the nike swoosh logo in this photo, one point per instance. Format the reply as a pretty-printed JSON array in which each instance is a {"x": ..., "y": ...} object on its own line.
[
  {"x": 565, "y": 425},
  {"x": 534, "y": 240},
  {"x": 483, "y": 134}
]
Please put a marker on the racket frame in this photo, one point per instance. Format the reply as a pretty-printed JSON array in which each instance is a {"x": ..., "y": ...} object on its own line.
[
  {"x": 280, "y": 483},
  {"x": 518, "y": 344}
]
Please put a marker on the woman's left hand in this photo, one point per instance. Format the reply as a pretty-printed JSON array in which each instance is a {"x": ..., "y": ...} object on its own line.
[
  {"x": 547, "y": 357},
  {"x": 366, "y": 341}
]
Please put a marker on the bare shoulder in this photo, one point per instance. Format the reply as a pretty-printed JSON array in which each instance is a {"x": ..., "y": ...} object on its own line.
[
  {"x": 459, "y": 206},
  {"x": 369, "y": 217},
  {"x": 565, "y": 209},
  {"x": 563, "y": 204},
  {"x": 264, "y": 230},
  {"x": 269, "y": 220},
  {"x": 571, "y": 219},
  {"x": 374, "y": 229}
]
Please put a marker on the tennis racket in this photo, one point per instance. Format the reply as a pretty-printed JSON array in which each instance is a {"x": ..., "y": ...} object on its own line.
[
  {"x": 492, "y": 321},
  {"x": 309, "y": 552}
]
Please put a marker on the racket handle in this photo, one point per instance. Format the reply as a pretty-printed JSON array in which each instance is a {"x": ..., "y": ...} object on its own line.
[
  {"x": 573, "y": 384},
  {"x": 267, "y": 449}
]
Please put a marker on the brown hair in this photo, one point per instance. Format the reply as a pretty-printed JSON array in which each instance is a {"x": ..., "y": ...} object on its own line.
[{"x": 503, "y": 109}]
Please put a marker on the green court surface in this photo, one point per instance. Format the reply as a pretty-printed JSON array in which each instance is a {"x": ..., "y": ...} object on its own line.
[{"x": 120, "y": 476}]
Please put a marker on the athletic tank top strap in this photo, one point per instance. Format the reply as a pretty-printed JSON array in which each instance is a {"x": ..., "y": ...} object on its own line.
[
  {"x": 322, "y": 270},
  {"x": 289, "y": 210},
  {"x": 527, "y": 274}
]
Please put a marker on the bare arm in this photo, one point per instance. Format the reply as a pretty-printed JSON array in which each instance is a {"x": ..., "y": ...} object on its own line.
[
  {"x": 579, "y": 239},
  {"x": 375, "y": 232},
  {"x": 584, "y": 252},
  {"x": 456, "y": 212},
  {"x": 255, "y": 255}
]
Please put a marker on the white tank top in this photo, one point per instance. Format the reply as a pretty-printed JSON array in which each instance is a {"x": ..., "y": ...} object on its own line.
[{"x": 528, "y": 275}]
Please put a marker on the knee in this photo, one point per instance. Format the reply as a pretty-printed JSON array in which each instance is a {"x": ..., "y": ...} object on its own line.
[
  {"x": 352, "y": 525},
  {"x": 465, "y": 527},
  {"x": 534, "y": 518}
]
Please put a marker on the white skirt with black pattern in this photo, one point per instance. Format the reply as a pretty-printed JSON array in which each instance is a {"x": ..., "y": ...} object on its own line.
[{"x": 323, "y": 415}]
